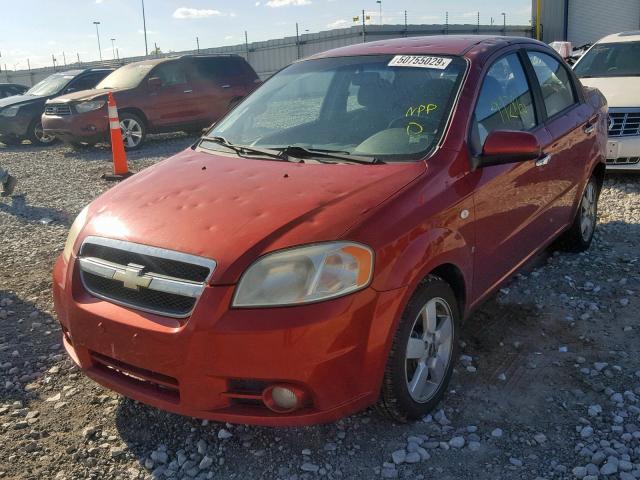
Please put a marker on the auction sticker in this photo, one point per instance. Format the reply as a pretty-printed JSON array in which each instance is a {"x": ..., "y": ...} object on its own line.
[{"x": 420, "y": 61}]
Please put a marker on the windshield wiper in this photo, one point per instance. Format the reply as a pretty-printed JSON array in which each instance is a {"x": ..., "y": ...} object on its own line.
[
  {"x": 302, "y": 152},
  {"x": 243, "y": 150}
]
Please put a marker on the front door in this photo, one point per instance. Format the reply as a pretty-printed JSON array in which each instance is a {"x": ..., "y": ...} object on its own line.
[{"x": 172, "y": 103}]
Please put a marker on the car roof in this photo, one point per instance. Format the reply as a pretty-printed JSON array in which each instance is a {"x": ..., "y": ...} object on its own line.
[
  {"x": 433, "y": 44},
  {"x": 631, "y": 36}
]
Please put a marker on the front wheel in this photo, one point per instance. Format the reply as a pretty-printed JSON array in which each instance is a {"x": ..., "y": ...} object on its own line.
[
  {"x": 579, "y": 236},
  {"x": 37, "y": 136},
  {"x": 420, "y": 362},
  {"x": 133, "y": 130}
]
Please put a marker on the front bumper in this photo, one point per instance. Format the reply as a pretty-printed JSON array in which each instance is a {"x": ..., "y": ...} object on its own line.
[
  {"x": 623, "y": 153},
  {"x": 215, "y": 364},
  {"x": 78, "y": 127},
  {"x": 14, "y": 126}
]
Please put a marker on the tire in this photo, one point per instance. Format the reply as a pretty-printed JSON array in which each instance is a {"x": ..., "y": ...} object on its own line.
[
  {"x": 580, "y": 235},
  {"x": 134, "y": 130},
  {"x": 36, "y": 135},
  {"x": 406, "y": 392}
]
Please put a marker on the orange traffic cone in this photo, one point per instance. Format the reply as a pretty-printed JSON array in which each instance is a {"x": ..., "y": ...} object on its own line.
[{"x": 120, "y": 168}]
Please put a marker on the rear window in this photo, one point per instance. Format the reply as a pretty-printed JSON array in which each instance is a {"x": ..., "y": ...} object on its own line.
[{"x": 224, "y": 68}]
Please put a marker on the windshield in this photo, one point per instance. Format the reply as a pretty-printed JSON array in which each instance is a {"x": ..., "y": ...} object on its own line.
[
  {"x": 393, "y": 108},
  {"x": 610, "y": 60},
  {"x": 128, "y": 76},
  {"x": 50, "y": 85}
]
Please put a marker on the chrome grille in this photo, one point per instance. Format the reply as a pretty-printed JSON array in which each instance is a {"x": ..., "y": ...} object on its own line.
[
  {"x": 623, "y": 161},
  {"x": 58, "y": 109},
  {"x": 624, "y": 123},
  {"x": 146, "y": 278}
]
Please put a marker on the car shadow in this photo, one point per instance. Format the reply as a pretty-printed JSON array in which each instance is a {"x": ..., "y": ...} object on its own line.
[
  {"x": 29, "y": 345},
  {"x": 32, "y": 214}
]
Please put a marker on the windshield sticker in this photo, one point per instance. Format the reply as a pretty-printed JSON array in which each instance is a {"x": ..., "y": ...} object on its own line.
[{"x": 420, "y": 61}]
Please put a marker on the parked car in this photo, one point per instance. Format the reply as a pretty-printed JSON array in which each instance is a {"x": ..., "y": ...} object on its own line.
[
  {"x": 20, "y": 114},
  {"x": 161, "y": 95},
  {"x": 613, "y": 66},
  {"x": 11, "y": 89},
  {"x": 318, "y": 249}
]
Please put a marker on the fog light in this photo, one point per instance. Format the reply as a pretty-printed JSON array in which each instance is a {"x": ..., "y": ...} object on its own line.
[{"x": 284, "y": 398}]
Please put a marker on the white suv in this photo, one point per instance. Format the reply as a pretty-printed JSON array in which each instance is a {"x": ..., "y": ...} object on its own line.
[{"x": 612, "y": 65}]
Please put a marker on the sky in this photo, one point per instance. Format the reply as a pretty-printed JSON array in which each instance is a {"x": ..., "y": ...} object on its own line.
[{"x": 38, "y": 29}]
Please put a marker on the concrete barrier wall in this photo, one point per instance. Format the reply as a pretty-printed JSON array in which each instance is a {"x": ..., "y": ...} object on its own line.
[{"x": 269, "y": 56}]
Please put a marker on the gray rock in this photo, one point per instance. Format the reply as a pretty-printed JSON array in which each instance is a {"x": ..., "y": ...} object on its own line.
[
  {"x": 224, "y": 434},
  {"x": 609, "y": 468},
  {"x": 497, "y": 433},
  {"x": 457, "y": 442},
  {"x": 399, "y": 456},
  {"x": 309, "y": 467}
]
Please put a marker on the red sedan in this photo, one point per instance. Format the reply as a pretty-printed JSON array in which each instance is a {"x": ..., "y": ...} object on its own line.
[{"x": 318, "y": 250}]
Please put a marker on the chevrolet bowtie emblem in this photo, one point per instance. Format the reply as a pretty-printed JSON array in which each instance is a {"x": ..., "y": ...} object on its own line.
[{"x": 132, "y": 277}]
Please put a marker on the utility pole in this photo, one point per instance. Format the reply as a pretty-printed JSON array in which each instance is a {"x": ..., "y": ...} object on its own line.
[
  {"x": 28, "y": 65},
  {"x": 478, "y": 23},
  {"x": 538, "y": 14},
  {"x": 98, "y": 35},
  {"x": 117, "y": 54},
  {"x": 78, "y": 57},
  {"x": 144, "y": 27},
  {"x": 297, "y": 41},
  {"x": 155, "y": 46},
  {"x": 504, "y": 23},
  {"x": 246, "y": 44},
  {"x": 198, "y": 45},
  {"x": 113, "y": 48},
  {"x": 379, "y": 2},
  {"x": 446, "y": 23},
  {"x": 364, "y": 29},
  {"x": 405, "y": 23},
  {"x": 64, "y": 58},
  {"x": 53, "y": 58}
]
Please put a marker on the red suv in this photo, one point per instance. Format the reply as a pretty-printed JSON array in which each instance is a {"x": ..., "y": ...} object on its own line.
[
  {"x": 317, "y": 251},
  {"x": 163, "y": 95}
]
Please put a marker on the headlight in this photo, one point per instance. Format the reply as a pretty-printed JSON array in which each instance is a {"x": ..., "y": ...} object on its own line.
[
  {"x": 10, "y": 112},
  {"x": 305, "y": 274},
  {"x": 74, "y": 231},
  {"x": 85, "y": 107}
]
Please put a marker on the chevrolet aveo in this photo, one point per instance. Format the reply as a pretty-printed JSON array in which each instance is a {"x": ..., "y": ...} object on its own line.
[{"x": 317, "y": 251}]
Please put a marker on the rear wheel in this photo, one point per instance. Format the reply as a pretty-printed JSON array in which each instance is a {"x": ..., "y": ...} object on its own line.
[
  {"x": 420, "y": 362},
  {"x": 37, "y": 136},
  {"x": 133, "y": 130},
  {"x": 578, "y": 238}
]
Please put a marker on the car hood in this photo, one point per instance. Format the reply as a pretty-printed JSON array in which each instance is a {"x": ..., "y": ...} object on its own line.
[
  {"x": 18, "y": 100},
  {"x": 84, "y": 95},
  {"x": 619, "y": 91},
  {"x": 234, "y": 209}
]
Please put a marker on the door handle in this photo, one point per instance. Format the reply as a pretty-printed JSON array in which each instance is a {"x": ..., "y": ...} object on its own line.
[
  {"x": 541, "y": 162},
  {"x": 188, "y": 91},
  {"x": 225, "y": 86}
]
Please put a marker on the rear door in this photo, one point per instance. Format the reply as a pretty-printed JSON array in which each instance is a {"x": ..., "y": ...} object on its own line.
[
  {"x": 173, "y": 102},
  {"x": 508, "y": 198},
  {"x": 571, "y": 126}
]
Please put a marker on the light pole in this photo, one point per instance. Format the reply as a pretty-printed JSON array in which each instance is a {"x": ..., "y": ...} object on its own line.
[
  {"x": 98, "y": 35},
  {"x": 379, "y": 2},
  {"x": 144, "y": 27},
  {"x": 504, "y": 23},
  {"x": 113, "y": 48}
]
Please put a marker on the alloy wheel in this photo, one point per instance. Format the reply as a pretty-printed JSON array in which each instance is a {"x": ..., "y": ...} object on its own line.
[
  {"x": 131, "y": 132},
  {"x": 588, "y": 211},
  {"x": 42, "y": 137},
  {"x": 429, "y": 349}
]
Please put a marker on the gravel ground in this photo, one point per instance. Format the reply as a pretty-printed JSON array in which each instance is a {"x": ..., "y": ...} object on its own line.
[{"x": 548, "y": 385}]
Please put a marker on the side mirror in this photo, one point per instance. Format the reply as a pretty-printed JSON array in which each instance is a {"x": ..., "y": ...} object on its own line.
[
  {"x": 507, "y": 146},
  {"x": 154, "y": 82}
]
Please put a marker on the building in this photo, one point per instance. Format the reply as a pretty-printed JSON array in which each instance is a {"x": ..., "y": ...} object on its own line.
[{"x": 585, "y": 21}]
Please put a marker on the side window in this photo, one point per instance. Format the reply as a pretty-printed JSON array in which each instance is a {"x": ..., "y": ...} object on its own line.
[
  {"x": 505, "y": 101},
  {"x": 554, "y": 81},
  {"x": 171, "y": 73},
  {"x": 85, "y": 82}
]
